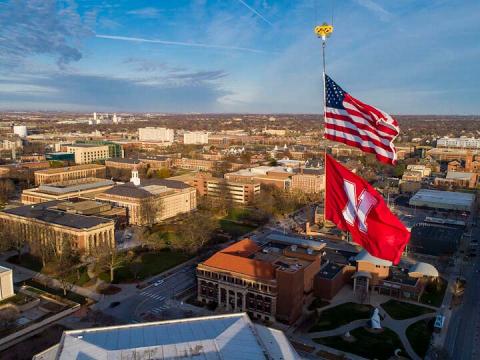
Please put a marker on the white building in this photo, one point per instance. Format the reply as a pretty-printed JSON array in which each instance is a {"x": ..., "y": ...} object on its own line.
[
  {"x": 426, "y": 171},
  {"x": 156, "y": 134},
  {"x": 20, "y": 130},
  {"x": 461, "y": 143},
  {"x": 195, "y": 138},
  {"x": 6, "y": 283},
  {"x": 232, "y": 337}
]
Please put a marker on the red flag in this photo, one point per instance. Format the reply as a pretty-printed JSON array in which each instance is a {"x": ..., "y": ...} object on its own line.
[{"x": 355, "y": 206}]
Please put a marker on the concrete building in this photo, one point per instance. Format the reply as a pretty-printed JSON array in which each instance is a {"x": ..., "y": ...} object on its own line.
[
  {"x": 412, "y": 175},
  {"x": 87, "y": 187},
  {"x": 56, "y": 175},
  {"x": 87, "y": 153},
  {"x": 6, "y": 283},
  {"x": 269, "y": 175},
  {"x": 44, "y": 222},
  {"x": 447, "y": 154},
  {"x": 459, "y": 143},
  {"x": 195, "y": 138},
  {"x": 269, "y": 282},
  {"x": 458, "y": 179},
  {"x": 238, "y": 192},
  {"x": 20, "y": 130},
  {"x": 232, "y": 336},
  {"x": 160, "y": 134},
  {"x": 311, "y": 181},
  {"x": 423, "y": 169},
  {"x": 195, "y": 164},
  {"x": 151, "y": 200},
  {"x": 443, "y": 200}
]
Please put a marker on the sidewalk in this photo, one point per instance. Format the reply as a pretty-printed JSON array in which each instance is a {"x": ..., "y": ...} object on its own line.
[{"x": 24, "y": 274}]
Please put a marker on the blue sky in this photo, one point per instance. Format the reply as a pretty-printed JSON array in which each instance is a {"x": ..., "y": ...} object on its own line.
[{"x": 404, "y": 56}]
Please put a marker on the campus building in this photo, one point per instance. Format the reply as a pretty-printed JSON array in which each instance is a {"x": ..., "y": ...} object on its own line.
[
  {"x": 459, "y": 143},
  {"x": 231, "y": 336},
  {"x": 88, "y": 188},
  {"x": 44, "y": 222},
  {"x": 151, "y": 200},
  {"x": 277, "y": 176},
  {"x": 238, "y": 192},
  {"x": 195, "y": 164},
  {"x": 160, "y": 134},
  {"x": 88, "y": 153},
  {"x": 195, "y": 138},
  {"x": 56, "y": 175},
  {"x": 310, "y": 181},
  {"x": 270, "y": 282}
]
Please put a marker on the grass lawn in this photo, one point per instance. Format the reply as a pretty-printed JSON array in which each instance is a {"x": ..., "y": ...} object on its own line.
[
  {"x": 237, "y": 214},
  {"x": 434, "y": 292},
  {"x": 149, "y": 264},
  {"x": 371, "y": 346},
  {"x": 317, "y": 303},
  {"x": 400, "y": 310},
  {"x": 340, "y": 315},
  {"x": 233, "y": 228},
  {"x": 28, "y": 261},
  {"x": 419, "y": 335}
]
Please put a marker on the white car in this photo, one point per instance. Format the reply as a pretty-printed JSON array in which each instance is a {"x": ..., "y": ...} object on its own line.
[{"x": 159, "y": 282}]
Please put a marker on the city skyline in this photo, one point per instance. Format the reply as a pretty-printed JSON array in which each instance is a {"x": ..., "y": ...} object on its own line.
[{"x": 236, "y": 56}]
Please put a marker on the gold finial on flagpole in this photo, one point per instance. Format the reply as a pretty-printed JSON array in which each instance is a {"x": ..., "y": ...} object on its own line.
[{"x": 323, "y": 31}]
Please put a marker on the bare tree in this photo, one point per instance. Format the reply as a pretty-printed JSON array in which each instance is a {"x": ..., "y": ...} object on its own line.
[
  {"x": 196, "y": 233},
  {"x": 109, "y": 258}
]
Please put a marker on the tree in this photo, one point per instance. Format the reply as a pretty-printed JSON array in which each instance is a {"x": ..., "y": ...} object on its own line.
[
  {"x": 12, "y": 237},
  {"x": 109, "y": 259},
  {"x": 151, "y": 210},
  {"x": 65, "y": 265},
  {"x": 196, "y": 233},
  {"x": 7, "y": 189}
]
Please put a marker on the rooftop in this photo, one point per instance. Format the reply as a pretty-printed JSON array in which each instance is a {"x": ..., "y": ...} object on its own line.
[
  {"x": 330, "y": 270},
  {"x": 231, "y": 336},
  {"x": 70, "y": 168},
  {"x": 147, "y": 188},
  {"x": 72, "y": 186},
  {"x": 364, "y": 255},
  {"x": 438, "y": 198},
  {"x": 46, "y": 213}
]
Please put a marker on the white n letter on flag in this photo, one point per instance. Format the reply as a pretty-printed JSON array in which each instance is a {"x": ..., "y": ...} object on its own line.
[{"x": 357, "y": 208}]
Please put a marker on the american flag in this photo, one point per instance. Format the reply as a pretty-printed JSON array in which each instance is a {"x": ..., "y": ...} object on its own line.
[{"x": 352, "y": 122}]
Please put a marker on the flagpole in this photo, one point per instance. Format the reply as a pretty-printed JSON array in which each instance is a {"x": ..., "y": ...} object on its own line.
[{"x": 323, "y": 31}]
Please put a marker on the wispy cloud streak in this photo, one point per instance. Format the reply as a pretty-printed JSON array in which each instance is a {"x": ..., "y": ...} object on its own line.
[
  {"x": 255, "y": 12},
  {"x": 179, "y": 43}
]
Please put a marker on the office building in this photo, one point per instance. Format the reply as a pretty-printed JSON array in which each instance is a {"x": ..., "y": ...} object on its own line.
[
  {"x": 268, "y": 175},
  {"x": 459, "y": 143},
  {"x": 87, "y": 188},
  {"x": 310, "y": 181},
  {"x": 195, "y": 138},
  {"x": 151, "y": 200},
  {"x": 423, "y": 169},
  {"x": 458, "y": 179},
  {"x": 159, "y": 134},
  {"x": 238, "y": 192},
  {"x": 44, "y": 222},
  {"x": 20, "y": 130},
  {"x": 266, "y": 282},
  {"x": 56, "y": 175},
  {"x": 195, "y": 164},
  {"x": 88, "y": 153},
  {"x": 232, "y": 336}
]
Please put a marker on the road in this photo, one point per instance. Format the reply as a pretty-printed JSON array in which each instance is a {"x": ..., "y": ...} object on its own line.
[
  {"x": 155, "y": 299},
  {"x": 463, "y": 334}
]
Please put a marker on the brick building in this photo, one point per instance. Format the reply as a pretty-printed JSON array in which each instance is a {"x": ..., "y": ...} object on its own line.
[
  {"x": 54, "y": 175},
  {"x": 266, "y": 282}
]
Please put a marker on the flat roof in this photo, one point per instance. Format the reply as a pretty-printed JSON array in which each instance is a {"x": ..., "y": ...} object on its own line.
[
  {"x": 73, "y": 186},
  {"x": 330, "y": 270},
  {"x": 452, "y": 200},
  {"x": 45, "y": 212},
  {"x": 231, "y": 336},
  {"x": 69, "y": 168}
]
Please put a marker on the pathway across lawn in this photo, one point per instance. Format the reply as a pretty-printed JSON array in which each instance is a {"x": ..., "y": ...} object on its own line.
[
  {"x": 400, "y": 310},
  {"x": 371, "y": 346},
  {"x": 334, "y": 317}
]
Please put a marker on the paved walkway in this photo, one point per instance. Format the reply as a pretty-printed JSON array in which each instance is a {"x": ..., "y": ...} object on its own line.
[
  {"x": 398, "y": 326},
  {"x": 21, "y": 274}
]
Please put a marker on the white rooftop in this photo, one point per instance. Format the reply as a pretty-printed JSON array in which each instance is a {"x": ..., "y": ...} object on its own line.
[
  {"x": 458, "y": 175},
  {"x": 364, "y": 255},
  {"x": 231, "y": 336},
  {"x": 443, "y": 199}
]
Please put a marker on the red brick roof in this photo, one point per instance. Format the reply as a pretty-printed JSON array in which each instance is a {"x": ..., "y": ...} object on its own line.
[{"x": 235, "y": 259}]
